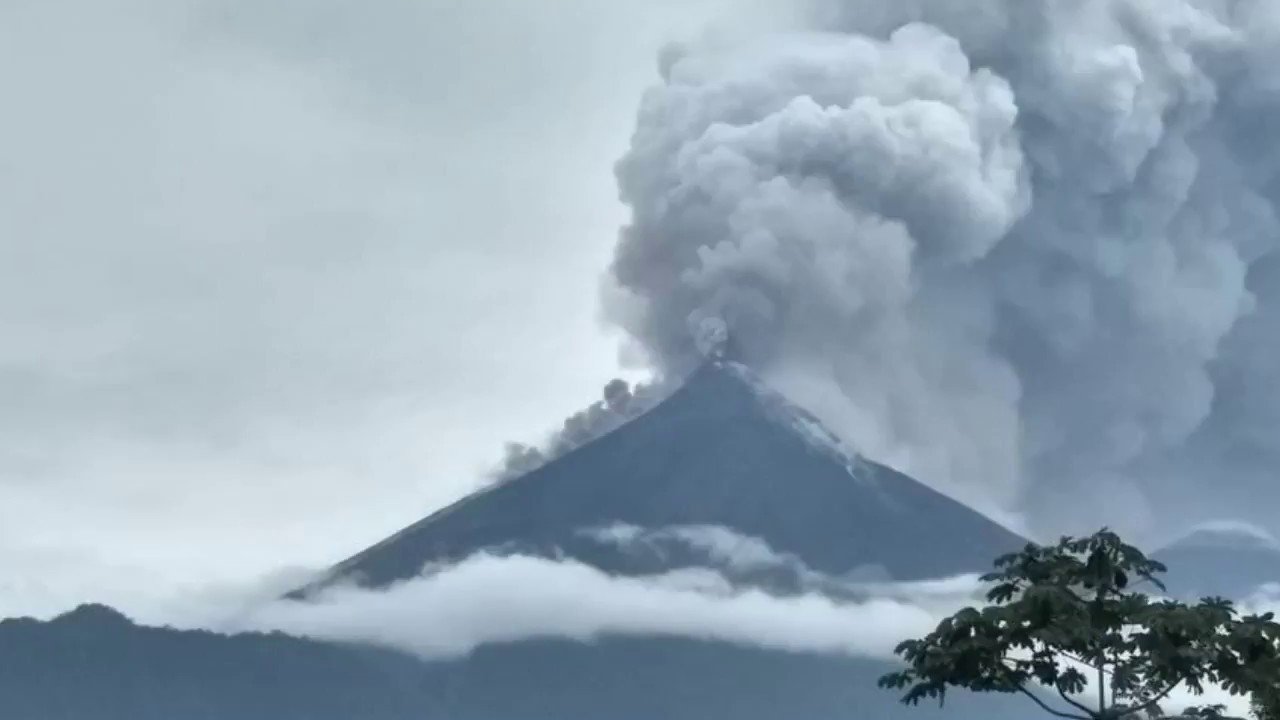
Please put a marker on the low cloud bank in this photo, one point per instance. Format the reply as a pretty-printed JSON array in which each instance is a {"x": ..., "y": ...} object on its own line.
[{"x": 450, "y": 611}]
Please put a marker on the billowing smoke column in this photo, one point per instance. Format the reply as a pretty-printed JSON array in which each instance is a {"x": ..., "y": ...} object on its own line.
[{"x": 1022, "y": 249}]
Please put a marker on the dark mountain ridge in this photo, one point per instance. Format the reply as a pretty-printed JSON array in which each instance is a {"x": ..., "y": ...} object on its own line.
[{"x": 95, "y": 664}]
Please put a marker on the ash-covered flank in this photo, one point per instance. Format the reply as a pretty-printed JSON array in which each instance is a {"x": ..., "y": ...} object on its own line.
[{"x": 721, "y": 451}]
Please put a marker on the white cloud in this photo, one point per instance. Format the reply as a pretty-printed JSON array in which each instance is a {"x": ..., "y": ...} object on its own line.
[
  {"x": 721, "y": 546},
  {"x": 491, "y": 599},
  {"x": 488, "y": 599}
]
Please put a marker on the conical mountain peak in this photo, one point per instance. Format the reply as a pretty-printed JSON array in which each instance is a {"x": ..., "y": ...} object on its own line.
[{"x": 722, "y": 450}]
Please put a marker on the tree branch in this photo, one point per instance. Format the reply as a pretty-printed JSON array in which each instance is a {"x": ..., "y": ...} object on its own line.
[
  {"x": 1079, "y": 706},
  {"x": 1044, "y": 706},
  {"x": 1150, "y": 703},
  {"x": 1098, "y": 601},
  {"x": 1073, "y": 594}
]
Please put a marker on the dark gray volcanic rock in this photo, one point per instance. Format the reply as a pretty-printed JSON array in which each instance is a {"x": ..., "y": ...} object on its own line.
[{"x": 720, "y": 451}]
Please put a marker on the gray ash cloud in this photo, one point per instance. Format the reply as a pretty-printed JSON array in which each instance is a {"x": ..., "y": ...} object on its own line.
[{"x": 1025, "y": 250}]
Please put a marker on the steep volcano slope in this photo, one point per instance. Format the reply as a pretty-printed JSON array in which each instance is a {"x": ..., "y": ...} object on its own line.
[{"x": 720, "y": 451}]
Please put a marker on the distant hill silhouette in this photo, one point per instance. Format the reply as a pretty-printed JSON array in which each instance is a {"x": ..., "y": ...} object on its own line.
[{"x": 94, "y": 664}]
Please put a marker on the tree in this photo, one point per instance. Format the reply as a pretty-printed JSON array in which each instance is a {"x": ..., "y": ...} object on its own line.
[
  {"x": 1066, "y": 628},
  {"x": 1265, "y": 705}
]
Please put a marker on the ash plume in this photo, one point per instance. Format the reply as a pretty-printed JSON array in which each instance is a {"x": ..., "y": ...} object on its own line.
[
  {"x": 1022, "y": 249},
  {"x": 620, "y": 402}
]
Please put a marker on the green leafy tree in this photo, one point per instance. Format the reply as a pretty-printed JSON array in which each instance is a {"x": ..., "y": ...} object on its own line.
[{"x": 1067, "y": 627}]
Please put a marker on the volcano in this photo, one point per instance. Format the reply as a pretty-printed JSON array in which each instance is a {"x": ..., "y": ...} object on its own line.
[{"x": 722, "y": 451}]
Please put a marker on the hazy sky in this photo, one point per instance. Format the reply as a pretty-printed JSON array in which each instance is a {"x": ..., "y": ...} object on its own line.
[{"x": 277, "y": 280}]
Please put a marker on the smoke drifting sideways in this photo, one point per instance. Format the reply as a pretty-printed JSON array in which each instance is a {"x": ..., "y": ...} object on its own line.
[
  {"x": 1023, "y": 251},
  {"x": 620, "y": 404}
]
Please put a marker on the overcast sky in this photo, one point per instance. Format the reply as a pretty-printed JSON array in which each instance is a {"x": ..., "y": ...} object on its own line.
[{"x": 275, "y": 281}]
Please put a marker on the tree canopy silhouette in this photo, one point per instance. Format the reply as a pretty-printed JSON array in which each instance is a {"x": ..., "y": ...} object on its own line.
[{"x": 1067, "y": 627}]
